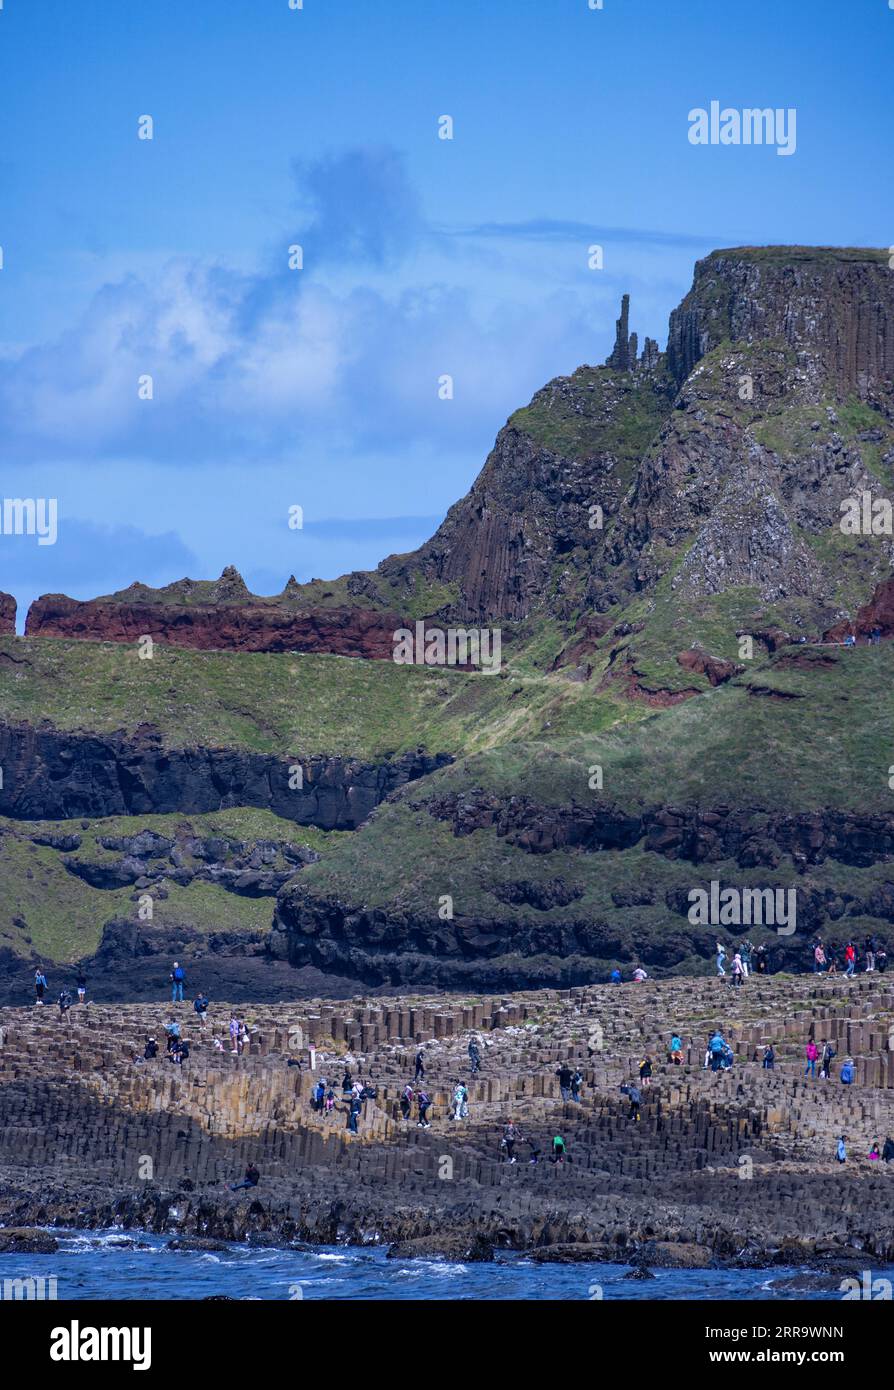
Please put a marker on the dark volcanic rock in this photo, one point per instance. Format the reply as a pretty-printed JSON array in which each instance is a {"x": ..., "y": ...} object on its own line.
[
  {"x": 51, "y": 775},
  {"x": 7, "y": 614}
]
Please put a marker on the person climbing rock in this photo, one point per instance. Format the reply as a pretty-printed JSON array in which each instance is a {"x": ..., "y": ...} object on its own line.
[
  {"x": 200, "y": 1004},
  {"x": 474, "y": 1056},
  {"x": 840, "y": 1150},
  {"x": 888, "y": 1150},
  {"x": 178, "y": 977},
  {"x": 811, "y": 1052},
  {"x": 251, "y": 1179},
  {"x": 645, "y": 1071},
  {"x": 354, "y": 1109},
  {"x": 632, "y": 1093},
  {"x": 564, "y": 1075},
  {"x": 577, "y": 1082},
  {"x": 420, "y": 1066},
  {"x": 457, "y": 1111},
  {"x": 406, "y": 1101},
  {"x": 675, "y": 1050},
  {"x": 64, "y": 1002},
  {"x": 828, "y": 1056},
  {"x": 150, "y": 1051},
  {"x": 507, "y": 1143},
  {"x": 422, "y": 1104},
  {"x": 769, "y": 1062},
  {"x": 716, "y": 1045},
  {"x": 172, "y": 1033},
  {"x": 347, "y": 1083},
  {"x": 560, "y": 1152},
  {"x": 847, "y": 1072}
]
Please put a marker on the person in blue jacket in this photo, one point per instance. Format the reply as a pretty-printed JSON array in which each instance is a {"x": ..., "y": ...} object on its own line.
[
  {"x": 841, "y": 1151},
  {"x": 615, "y": 976},
  {"x": 847, "y": 1072}
]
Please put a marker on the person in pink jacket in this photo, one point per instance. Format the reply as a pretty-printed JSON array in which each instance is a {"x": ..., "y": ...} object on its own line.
[{"x": 811, "y": 1052}]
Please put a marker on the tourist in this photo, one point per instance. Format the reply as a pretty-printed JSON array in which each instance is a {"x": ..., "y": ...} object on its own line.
[
  {"x": 721, "y": 957},
  {"x": 870, "y": 954},
  {"x": 422, "y": 1104},
  {"x": 615, "y": 976},
  {"x": 564, "y": 1075},
  {"x": 420, "y": 1066},
  {"x": 474, "y": 1056},
  {"x": 200, "y": 1004},
  {"x": 675, "y": 1051},
  {"x": 354, "y": 1109},
  {"x": 847, "y": 1072},
  {"x": 577, "y": 1082},
  {"x": 178, "y": 976},
  {"x": 819, "y": 958},
  {"x": 716, "y": 1045},
  {"x": 406, "y": 1101},
  {"x": 244, "y": 1039},
  {"x": 81, "y": 983},
  {"x": 317, "y": 1096},
  {"x": 632, "y": 1093},
  {"x": 841, "y": 1151},
  {"x": 507, "y": 1143},
  {"x": 457, "y": 1110},
  {"x": 347, "y": 1084},
  {"x": 745, "y": 955},
  {"x": 811, "y": 1052},
  {"x": 219, "y": 1047},
  {"x": 251, "y": 1179},
  {"x": 645, "y": 1071},
  {"x": 330, "y": 1101},
  {"x": 769, "y": 1062},
  {"x": 874, "y": 1154},
  {"x": 559, "y": 1149},
  {"x": 850, "y": 958},
  {"x": 738, "y": 970},
  {"x": 761, "y": 958},
  {"x": 888, "y": 1150},
  {"x": 881, "y": 958},
  {"x": 639, "y": 975},
  {"x": 234, "y": 1034},
  {"x": 184, "y": 1051},
  {"x": 64, "y": 1002},
  {"x": 40, "y": 985},
  {"x": 832, "y": 958},
  {"x": 828, "y": 1056},
  {"x": 150, "y": 1051},
  {"x": 534, "y": 1151},
  {"x": 172, "y": 1033},
  {"x": 875, "y": 636}
]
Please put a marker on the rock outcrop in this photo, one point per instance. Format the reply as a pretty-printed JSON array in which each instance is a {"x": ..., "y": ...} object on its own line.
[
  {"x": 7, "y": 614},
  {"x": 247, "y": 625},
  {"x": 51, "y": 775}
]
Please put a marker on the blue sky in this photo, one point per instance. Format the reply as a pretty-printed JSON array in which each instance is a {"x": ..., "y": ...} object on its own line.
[{"x": 422, "y": 257}]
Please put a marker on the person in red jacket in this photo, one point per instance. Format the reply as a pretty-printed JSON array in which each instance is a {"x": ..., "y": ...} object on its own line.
[{"x": 850, "y": 958}]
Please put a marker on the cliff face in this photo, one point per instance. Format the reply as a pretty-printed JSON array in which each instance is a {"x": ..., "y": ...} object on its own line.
[
  {"x": 722, "y": 462},
  {"x": 50, "y": 775},
  {"x": 7, "y": 614},
  {"x": 248, "y": 627},
  {"x": 833, "y": 306}
]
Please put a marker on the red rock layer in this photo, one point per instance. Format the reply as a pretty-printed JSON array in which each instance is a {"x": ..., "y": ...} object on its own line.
[{"x": 253, "y": 628}]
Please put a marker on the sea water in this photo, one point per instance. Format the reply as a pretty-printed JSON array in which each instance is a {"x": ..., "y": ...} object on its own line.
[{"x": 116, "y": 1264}]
